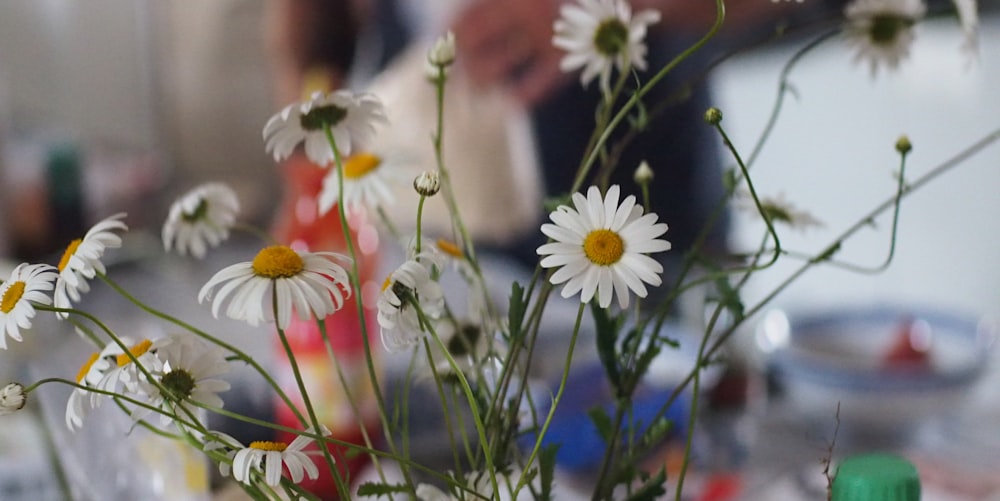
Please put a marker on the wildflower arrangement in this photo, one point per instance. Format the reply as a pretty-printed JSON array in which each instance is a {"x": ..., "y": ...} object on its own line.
[{"x": 603, "y": 250}]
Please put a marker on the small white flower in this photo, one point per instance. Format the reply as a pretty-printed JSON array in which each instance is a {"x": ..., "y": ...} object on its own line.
[
  {"x": 442, "y": 53},
  {"x": 308, "y": 282},
  {"x": 351, "y": 117},
  {"x": 367, "y": 180},
  {"x": 601, "y": 34},
  {"x": 187, "y": 370},
  {"x": 200, "y": 219},
  {"x": 600, "y": 247},
  {"x": 12, "y": 398},
  {"x": 398, "y": 320},
  {"x": 91, "y": 375},
  {"x": 28, "y": 283},
  {"x": 269, "y": 458},
  {"x": 81, "y": 261},
  {"x": 882, "y": 30}
]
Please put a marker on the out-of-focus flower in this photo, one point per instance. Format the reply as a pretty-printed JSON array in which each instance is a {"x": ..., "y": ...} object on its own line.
[
  {"x": 600, "y": 247},
  {"x": 351, "y": 118},
  {"x": 882, "y": 30},
  {"x": 367, "y": 179},
  {"x": 599, "y": 35},
  {"x": 201, "y": 219},
  {"x": 408, "y": 288},
  {"x": 188, "y": 371},
  {"x": 309, "y": 282}
]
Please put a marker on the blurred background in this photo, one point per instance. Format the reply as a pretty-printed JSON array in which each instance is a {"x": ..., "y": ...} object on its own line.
[{"x": 119, "y": 105}]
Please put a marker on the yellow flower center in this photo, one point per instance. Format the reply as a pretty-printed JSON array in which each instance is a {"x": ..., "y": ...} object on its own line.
[
  {"x": 360, "y": 165},
  {"x": 11, "y": 296},
  {"x": 265, "y": 445},
  {"x": 277, "y": 261},
  {"x": 603, "y": 247},
  {"x": 70, "y": 250},
  {"x": 86, "y": 367},
  {"x": 450, "y": 248},
  {"x": 136, "y": 351},
  {"x": 387, "y": 283}
]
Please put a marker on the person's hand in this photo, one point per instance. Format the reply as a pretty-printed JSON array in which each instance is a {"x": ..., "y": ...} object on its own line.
[{"x": 509, "y": 42}]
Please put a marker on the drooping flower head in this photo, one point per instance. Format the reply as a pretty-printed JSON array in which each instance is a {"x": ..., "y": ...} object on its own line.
[
  {"x": 367, "y": 180},
  {"x": 200, "y": 219},
  {"x": 601, "y": 247},
  {"x": 882, "y": 30},
  {"x": 187, "y": 371},
  {"x": 408, "y": 287},
  {"x": 270, "y": 458},
  {"x": 27, "y": 284},
  {"x": 599, "y": 35},
  {"x": 351, "y": 118},
  {"x": 12, "y": 398},
  {"x": 309, "y": 282},
  {"x": 81, "y": 261}
]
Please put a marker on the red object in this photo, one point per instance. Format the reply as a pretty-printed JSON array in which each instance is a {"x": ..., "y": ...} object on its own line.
[
  {"x": 300, "y": 226},
  {"x": 905, "y": 352}
]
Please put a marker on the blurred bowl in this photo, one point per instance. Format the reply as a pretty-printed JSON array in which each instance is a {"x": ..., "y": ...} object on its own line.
[{"x": 890, "y": 368}]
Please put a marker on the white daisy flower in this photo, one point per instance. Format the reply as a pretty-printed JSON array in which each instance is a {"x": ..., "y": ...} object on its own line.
[
  {"x": 28, "y": 283},
  {"x": 309, "y": 282},
  {"x": 81, "y": 261},
  {"x": 200, "y": 219},
  {"x": 125, "y": 374},
  {"x": 351, "y": 117},
  {"x": 600, "y": 247},
  {"x": 398, "y": 321},
  {"x": 270, "y": 458},
  {"x": 91, "y": 375},
  {"x": 882, "y": 30},
  {"x": 188, "y": 372},
  {"x": 12, "y": 398},
  {"x": 601, "y": 34},
  {"x": 367, "y": 180}
]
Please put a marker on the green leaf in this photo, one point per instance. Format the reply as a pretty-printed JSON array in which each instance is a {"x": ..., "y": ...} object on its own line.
[
  {"x": 607, "y": 334},
  {"x": 515, "y": 314},
  {"x": 652, "y": 489},
  {"x": 379, "y": 490},
  {"x": 602, "y": 422},
  {"x": 546, "y": 470}
]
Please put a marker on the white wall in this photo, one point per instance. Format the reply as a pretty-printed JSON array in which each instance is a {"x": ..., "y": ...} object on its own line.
[{"x": 832, "y": 153}]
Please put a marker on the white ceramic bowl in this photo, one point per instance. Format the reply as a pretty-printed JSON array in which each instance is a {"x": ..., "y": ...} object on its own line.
[{"x": 820, "y": 360}]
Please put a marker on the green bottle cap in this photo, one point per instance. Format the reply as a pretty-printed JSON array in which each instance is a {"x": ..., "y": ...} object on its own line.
[{"x": 876, "y": 477}]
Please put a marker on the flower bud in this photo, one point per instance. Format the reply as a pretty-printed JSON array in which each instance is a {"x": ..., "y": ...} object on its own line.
[
  {"x": 713, "y": 116},
  {"x": 903, "y": 145},
  {"x": 427, "y": 183},
  {"x": 442, "y": 53},
  {"x": 11, "y": 398},
  {"x": 643, "y": 174}
]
